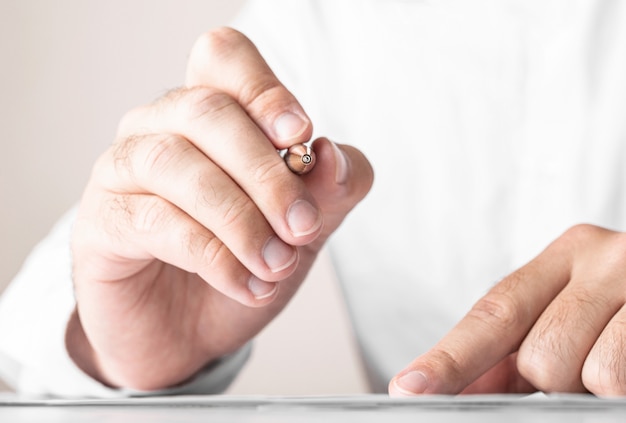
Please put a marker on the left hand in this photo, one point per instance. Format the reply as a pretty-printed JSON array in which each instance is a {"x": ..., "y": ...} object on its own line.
[{"x": 558, "y": 324}]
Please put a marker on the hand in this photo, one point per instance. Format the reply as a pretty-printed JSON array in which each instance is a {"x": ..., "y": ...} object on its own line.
[
  {"x": 192, "y": 234},
  {"x": 558, "y": 324}
]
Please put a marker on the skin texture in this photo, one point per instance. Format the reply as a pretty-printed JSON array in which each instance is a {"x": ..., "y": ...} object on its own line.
[
  {"x": 556, "y": 325},
  {"x": 192, "y": 234}
]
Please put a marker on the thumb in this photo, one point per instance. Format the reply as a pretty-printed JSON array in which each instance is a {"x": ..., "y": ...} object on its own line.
[{"x": 340, "y": 180}]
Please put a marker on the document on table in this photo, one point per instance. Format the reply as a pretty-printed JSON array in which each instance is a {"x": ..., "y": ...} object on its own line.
[
  {"x": 345, "y": 409},
  {"x": 352, "y": 402}
]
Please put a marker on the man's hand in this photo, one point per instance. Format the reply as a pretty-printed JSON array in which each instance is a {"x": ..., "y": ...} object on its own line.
[
  {"x": 192, "y": 233},
  {"x": 557, "y": 324}
]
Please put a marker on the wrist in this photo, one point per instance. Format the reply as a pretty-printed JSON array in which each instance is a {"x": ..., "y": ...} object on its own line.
[{"x": 81, "y": 351}]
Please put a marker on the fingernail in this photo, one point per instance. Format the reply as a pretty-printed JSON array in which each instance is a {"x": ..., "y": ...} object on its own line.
[
  {"x": 341, "y": 166},
  {"x": 278, "y": 255},
  {"x": 303, "y": 219},
  {"x": 412, "y": 383},
  {"x": 289, "y": 126},
  {"x": 261, "y": 289}
]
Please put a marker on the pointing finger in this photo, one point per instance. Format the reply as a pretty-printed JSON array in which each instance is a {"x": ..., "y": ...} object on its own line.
[{"x": 493, "y": 329}]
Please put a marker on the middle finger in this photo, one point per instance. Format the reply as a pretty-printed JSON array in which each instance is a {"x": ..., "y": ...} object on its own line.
[
  {"x": 174, "y": 169},
  {"x": 217, "y": 125}
]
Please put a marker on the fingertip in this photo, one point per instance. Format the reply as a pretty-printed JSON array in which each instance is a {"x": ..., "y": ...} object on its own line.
[
  {"x": 291, "y": 127},
  {"x": 409, "y": 383},
  {"x": 256, "y": 294},
  {"x": 304, "y": 220},
  {"x": 262, "y": 291},
  {"x": 278, "y": 256},
  {"x": 340, "y": 169}
]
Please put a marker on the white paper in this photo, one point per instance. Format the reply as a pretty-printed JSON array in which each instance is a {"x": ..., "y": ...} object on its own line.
[{"x": 538, "y": 400}]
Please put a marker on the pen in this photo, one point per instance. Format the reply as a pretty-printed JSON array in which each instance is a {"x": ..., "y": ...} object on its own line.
[{"x": 300, "y": 159}]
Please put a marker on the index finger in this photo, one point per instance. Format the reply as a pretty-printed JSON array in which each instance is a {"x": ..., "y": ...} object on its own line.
[
  {"x": 494, "y": 328},
  {"x": 227, "y": 60}
]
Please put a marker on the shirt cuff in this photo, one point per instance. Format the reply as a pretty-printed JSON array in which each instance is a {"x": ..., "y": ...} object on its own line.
[{"x": 34, "y": 312}]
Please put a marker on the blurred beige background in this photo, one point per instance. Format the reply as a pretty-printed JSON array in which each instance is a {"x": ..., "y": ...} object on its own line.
[{"x": 70, "y": 69}]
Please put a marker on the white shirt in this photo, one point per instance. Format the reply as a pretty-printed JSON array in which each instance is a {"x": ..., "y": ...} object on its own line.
[{"x": 492, "y": 127}]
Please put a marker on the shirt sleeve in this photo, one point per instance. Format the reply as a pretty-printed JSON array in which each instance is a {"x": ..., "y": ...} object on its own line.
[{"x": 34, "y": 311}]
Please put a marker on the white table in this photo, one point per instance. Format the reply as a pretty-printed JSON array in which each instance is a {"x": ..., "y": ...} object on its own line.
[{"x": 361, "y": 409}]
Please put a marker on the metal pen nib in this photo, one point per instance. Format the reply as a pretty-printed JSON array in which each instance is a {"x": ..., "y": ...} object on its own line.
[{"x": 300, "y": 159}]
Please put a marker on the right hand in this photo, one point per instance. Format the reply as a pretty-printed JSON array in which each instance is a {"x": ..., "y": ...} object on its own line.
[{"x": 192, "y": 234}]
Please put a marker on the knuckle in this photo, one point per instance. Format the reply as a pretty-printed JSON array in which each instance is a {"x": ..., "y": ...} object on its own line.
[
  {"x": 128, "y": 122},
  {"x": 580, "y": 234},
  {"x": 269, "y": 171},
  {"x": 207, "y": 102},
  {"x": 164, "y": 152},
  {"x": 448, "y": 361},
  {"x": 214, "y": 45},
  {"x": 447, "y": 366},
  {"x": 135, "y": 214},
  {"x": 202, "y": 247},
  {"x": 600, "y": 249},
  {"x": 498, "y": 310},
  {"x": 162, "y": 105},
  {"x": 122, "y": 153},
  {"x": 118, "y": 213},
  {"x": 265, "y": 90},
  {"x": 142, "y": 157},
  {"x": 220, "y": 41},
  {"x": 552, "y": 351},
  {"x": 231, "y": 209},
  {"x": 548, "y": 356},
  {"x": 214, "y": 252},
  {"x": 604, "y": 371},
  {"x": 151, "y": 215},
  {"x": 235, "y": 211},
  {"x": 218, "y": 45},
  {"x": 581, "y": 229},
  {"x": 538, "y": 370},
  {"x": 193, "y": 242}
]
